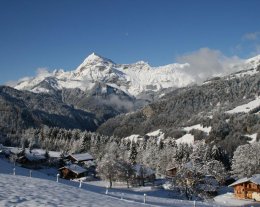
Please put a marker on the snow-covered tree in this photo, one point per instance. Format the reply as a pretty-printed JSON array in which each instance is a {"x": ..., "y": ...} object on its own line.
[
  {"x": 107, "y": 169},
  {"x": 246, "y": 160},
  {"x": 133, "y": 153},
  {"x": 125, "y": 171}
]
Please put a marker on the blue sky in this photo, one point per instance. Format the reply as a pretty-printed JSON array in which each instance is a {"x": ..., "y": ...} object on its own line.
[{"x": 61, "y": 33}]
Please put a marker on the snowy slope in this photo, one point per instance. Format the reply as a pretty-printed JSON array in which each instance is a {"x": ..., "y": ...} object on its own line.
[
  {"x": 26, "y": 191},
  {"x": 43, "y": 190},
  {"x": 187, "y": 138},
  {"x": 199, "y": 127},
  {"x": 133, "y": 79},
  {"x": 245, "y": 108}
]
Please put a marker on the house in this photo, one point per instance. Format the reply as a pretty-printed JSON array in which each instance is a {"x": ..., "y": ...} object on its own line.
[
  {"x": 171, "y": 172},
  {"x": 31, "y": 158},
  {"x": 80, "y": 158},
  {"x": 72, "y": 171},
  {"x": 247, "y": 188},
  {"x": 142, "y": 175},
  {"x": 16, "y": 151},
  {"x": 13, "y": 153}
]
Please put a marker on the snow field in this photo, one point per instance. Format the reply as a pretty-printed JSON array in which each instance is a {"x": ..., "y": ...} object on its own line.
[
  {"x": 245, "y": 108},
  {"x": 43, "y": 190}
]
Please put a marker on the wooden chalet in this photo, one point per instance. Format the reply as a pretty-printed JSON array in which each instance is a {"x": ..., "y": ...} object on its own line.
[
  {"x": 247, "y": 188},
  {"x": 80, "y": 158},
  {"x": 30, "y": 158},
  {"x": 171, "y": 172},
  {"x": 72, "y": 171}
]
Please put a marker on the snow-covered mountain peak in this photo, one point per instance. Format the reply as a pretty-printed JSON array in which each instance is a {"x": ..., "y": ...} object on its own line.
[
  {"x": 254, "y": 61},
  {"x": 95, "y": 58},
  {"x": 132, "y": 79},
  {"x": 94, "y": 61}
]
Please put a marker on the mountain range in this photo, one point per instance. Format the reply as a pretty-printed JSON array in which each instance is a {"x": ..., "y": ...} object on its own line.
[{"x": 125, "y": 99}]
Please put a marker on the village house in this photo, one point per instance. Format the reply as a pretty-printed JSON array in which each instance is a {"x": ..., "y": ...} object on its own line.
[
  {"x": 82, "y": 158},
  {"x": 31, "y": 159},
  {"x": 72, "y": 171},
  {"x": 84, "y": 161},
  {"x": 247, "y": 188},
  {"x": 171, "y": 172}
]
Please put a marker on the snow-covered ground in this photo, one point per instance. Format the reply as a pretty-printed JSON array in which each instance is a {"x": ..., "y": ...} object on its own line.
[
  {"x": 199, "y": 127},
  {"x": 245, "y": 108},
  {"x": 134, "y": 138},
  {"x": 252, "y": 136},
  {"x": 228, "y": 199},
  {"x": 187, "y": 138},
  {"x": 158, "y": 134},
  {"x": 25, "y": 191},
  {"x": 43, "y": 190}
]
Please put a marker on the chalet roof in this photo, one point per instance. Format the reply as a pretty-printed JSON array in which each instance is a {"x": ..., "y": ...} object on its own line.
[
  {"x": 239, "y": 181},
  {"x": 171, "y": 168},
  {"x": 15, "y": 150},
  {"x": 254, "y": 179},
  {"x": 74, "y": 168},
  {"x": 82, "y": 157},
  {"x": 34, "y": 156}
]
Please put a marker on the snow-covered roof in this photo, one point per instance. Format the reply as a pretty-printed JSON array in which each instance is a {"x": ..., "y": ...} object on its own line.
[
  {"x": 74, "y": 168},
  {"x": 34, "y": 157},
  {"x": 15, "y": 150},
  {"x": 82, "y": 157},
  {"x": 171, "y": 168},
  {"x": 255, "y": 179},
  {"x": 242, "y": 180}
]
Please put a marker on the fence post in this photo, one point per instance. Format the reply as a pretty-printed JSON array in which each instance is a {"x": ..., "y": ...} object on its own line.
[
  {"x": 106, "y": 190},
  {"x": 80, "y": 183},
  {"x": 57, "y": 177},
  {"x": 144, "y": 198},
  {"x": 194, "y": 203},
  {"x": 30, "y": 172},
  {"x": 122, "y": 196},
  {"x": 14, "y": 171}
]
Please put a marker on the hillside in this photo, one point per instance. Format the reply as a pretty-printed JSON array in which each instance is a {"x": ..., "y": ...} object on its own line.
[
  {"x": 23, "y": 109},
  {"x": 25, "y": 191},
  {"x": 228, "y": 105}
]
